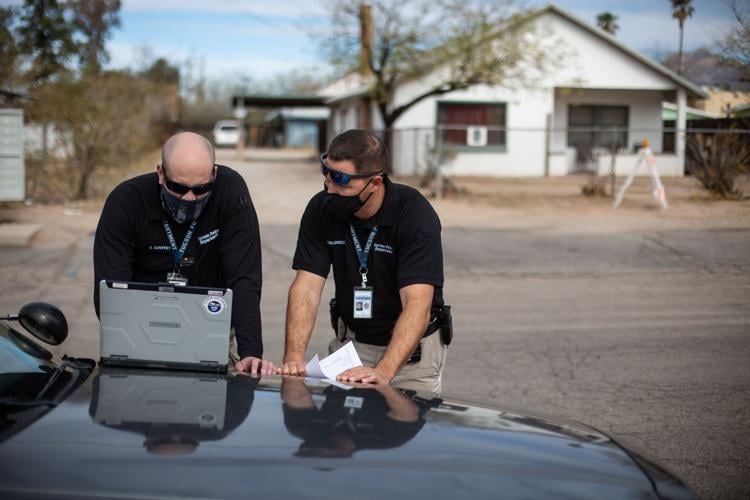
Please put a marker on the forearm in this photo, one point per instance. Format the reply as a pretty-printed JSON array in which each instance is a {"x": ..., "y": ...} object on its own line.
[
  {"x": 247, "y": 322},
  {"x": 401, "y": 408},
  {"x": 407, "y": 333},
  {"x": 295, "y": 394},
  {"x": 302, "y": 308}
]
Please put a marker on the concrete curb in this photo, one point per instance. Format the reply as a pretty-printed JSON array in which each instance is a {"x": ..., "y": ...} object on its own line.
[{"x": 17, "y": 235}]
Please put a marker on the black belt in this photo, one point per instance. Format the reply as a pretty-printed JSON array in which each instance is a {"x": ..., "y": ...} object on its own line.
[{"x": 432, "y": 327}]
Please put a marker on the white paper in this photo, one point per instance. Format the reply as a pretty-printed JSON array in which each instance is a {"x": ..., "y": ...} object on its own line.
[
  {"x": 331, "y": 366},
  {"x": 312, "y": 368}
]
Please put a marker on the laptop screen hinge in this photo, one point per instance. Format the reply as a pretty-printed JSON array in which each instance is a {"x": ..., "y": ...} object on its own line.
[
  {"x": 118, "y": 357},
  {"x": 210, "y": 363}
]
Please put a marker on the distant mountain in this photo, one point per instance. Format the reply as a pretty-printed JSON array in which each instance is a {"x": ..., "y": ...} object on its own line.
[{"x": 707, "y": 68}]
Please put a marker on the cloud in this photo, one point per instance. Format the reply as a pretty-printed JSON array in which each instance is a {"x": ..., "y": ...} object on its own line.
[
  {"x": 218, "y": 65},
  {"x": 264, "y": 8}
]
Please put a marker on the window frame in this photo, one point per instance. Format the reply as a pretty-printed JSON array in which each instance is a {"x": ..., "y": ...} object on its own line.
[
  {"x": 597, "y": 110},
  {"x": 465, "y": 148}
]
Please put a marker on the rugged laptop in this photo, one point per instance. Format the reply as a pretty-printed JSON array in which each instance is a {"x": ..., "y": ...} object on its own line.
[
  {"x": 164, "y": 326},
  {"x": 173, "y": 400}
]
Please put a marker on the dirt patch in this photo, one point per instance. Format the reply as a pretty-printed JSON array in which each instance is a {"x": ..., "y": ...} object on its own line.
[{"x": 557, "y": 203}]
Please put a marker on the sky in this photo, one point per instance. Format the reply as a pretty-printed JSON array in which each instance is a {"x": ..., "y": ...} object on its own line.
[{"x": 256, "y": 39}]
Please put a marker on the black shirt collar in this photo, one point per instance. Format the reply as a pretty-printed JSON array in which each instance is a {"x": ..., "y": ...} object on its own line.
[{"x": 388, "y": 212}]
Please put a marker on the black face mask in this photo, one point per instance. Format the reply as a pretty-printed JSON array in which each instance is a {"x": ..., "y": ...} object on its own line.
[
  {"x": 182, "y": 210},
  {"x": 343, "y": 207}
]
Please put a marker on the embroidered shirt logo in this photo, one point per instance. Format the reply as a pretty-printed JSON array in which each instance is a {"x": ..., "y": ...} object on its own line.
[
  {"x": 159, "y": 248},
  {"x": 210, "y": 236},
  {"x": 379, "y": 247},
  {"x": 336, "y": 242}
]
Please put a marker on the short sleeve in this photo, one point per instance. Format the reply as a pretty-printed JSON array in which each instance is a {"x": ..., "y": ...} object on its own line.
[
  {"x": 420, "y": 250},
  {"x": 312, "y": 253}
]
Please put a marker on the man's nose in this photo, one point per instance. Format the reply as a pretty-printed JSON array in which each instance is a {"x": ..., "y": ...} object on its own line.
[{"x": 189, "y": 196}]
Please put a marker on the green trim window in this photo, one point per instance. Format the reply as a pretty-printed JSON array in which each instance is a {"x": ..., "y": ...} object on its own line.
[
  {"x": 588, "y": 126},
  {"x": 472, "y": 125}
]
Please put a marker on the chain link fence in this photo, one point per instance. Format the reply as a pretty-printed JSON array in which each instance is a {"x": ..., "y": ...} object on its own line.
[{"x": 542, "y": 151}]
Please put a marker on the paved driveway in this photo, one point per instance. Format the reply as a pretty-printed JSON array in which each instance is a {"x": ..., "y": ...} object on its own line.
[{"x": 643, "y": 333}]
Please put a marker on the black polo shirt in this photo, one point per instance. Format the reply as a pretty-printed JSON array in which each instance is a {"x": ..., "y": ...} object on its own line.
[
  {"x": 369, "y": 427},
  {"x": 407, "y": 250},
  {"x": 131, "y": 245}
]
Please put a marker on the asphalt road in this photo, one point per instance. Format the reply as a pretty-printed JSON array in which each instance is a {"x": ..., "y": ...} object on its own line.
[{"x": 643, "y": 334}]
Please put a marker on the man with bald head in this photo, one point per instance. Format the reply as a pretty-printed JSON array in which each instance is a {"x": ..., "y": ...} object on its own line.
[{"x": 190, "y": 220}]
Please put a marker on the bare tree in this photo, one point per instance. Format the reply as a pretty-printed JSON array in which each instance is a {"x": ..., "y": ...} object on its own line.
[
  {"x": 94, "y": 20},
  {"x": 608, "y": 22},
  {"x": 449, "y": 44},
  {"x": 735, "y": 44},
  {"x": 100, "y": 122},
  {"x": 681, "y": 10},
  {"x": 718, "y": 160}
]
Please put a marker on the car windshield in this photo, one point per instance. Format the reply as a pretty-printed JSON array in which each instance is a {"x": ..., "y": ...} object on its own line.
[{"x": 30, "y": 383}]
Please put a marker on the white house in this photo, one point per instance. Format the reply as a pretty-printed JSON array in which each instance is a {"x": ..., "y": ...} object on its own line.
[{"x": 552, "y": 129}]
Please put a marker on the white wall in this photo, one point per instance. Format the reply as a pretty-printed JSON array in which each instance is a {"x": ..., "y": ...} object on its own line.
[
  {"x": 591, "y": 70},
  {"x": 12, "y": 167},
  {"x": 666, "y": 164},
  {"x": 596, "y": 63},
  {"x": 526, "y": 113},
  {"x": 644, "y": 113}
]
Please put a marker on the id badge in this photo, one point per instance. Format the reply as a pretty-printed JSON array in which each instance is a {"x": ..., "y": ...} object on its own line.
[
  {"x": 176, "y": 279},
  {"x": 362, "y": 303}
]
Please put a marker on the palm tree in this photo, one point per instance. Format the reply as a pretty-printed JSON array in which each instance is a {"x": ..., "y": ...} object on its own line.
[
  {"x": 608, "y": 22},
  {"x": 681, "y": 10}
]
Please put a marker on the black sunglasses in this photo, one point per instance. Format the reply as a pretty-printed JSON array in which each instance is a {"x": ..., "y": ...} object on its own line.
[
  {"x": 182, "y": 189},
  {"x": 341, "y": 178}
]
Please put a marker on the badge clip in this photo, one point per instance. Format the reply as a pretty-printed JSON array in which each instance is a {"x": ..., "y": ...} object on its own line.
[{"x": 176, "y": 279}]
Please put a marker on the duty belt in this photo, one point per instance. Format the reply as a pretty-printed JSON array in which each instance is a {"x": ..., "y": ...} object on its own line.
[{"x": 341, "y": 327}]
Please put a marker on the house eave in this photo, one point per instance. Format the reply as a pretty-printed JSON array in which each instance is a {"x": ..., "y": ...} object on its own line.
[{"x": 686, "y": 84}]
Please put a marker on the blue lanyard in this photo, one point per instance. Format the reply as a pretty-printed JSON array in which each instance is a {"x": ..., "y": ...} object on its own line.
[
  {"x": 177, "y": 254},
  {"x": 362, "y": 255}
]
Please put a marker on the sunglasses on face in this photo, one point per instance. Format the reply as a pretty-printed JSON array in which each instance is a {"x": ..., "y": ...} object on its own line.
[
  {"x": 183, "y": 189},
  {"x": 341, "y": 178}
]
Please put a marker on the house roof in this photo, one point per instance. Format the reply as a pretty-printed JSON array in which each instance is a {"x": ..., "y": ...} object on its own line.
[
  {"x": 669, "y": 112},
  {"x": 740, "y": 111},
  {"x": 694, "y": 89},
  {"x": 679, "y": 80},
  {"x": 265, "y": 101},
  {"x": 309, "y": 114}
]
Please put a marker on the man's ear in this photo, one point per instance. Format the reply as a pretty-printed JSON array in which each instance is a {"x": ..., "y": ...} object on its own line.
[{"x": 160, "y": 173}]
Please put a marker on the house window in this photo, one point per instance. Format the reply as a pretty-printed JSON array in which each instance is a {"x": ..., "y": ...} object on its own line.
[
  {"x": 472, "y": 124},
  {"x": 588, "y": 126}
]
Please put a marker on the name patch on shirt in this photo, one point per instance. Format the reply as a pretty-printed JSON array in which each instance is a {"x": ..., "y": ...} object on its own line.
[
  {"x": 336, "y": 242},
  {"x": 379, "y": 247},
  {"x": 160, "y": 248},
  {"x": 210, "y": 236}
]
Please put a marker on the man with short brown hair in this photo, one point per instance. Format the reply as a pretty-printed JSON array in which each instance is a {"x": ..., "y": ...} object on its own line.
[{"x": 383, "y": 242}]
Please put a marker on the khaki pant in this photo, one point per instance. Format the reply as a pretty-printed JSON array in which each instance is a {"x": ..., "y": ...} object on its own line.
[
  {"x": 234, "y": 356},
  {"x": 423, "y": 376}
]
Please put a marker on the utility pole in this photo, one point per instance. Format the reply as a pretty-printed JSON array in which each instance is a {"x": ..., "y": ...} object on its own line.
[{"x": 365, "y": 50}]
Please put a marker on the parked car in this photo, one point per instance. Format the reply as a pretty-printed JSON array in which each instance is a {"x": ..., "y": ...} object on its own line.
[
  {"x": 227, "y": 133},
  {"x": 72, "y": 429}
]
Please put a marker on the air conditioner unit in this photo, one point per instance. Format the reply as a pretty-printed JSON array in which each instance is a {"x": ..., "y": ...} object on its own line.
[{"x": 476, "y": 136}]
